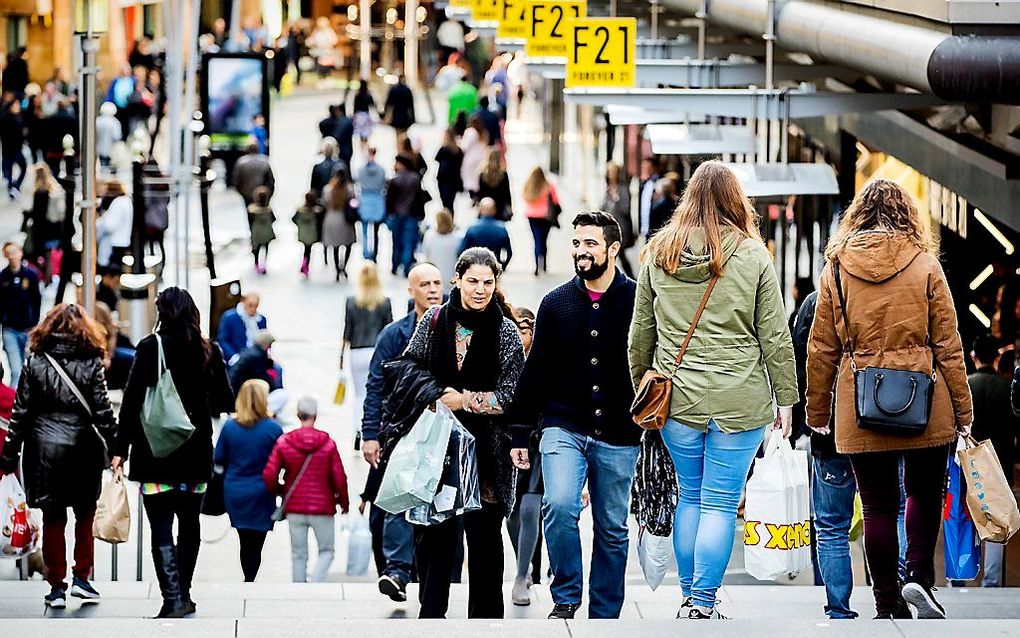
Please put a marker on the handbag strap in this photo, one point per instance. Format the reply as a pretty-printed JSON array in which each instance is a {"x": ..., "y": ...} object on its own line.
[
  {"x": 67, "y": 381},
  {"x": 161, "y": 359},
  {"x": 694, "y": 324},
  {"x": 297, "y": 479}
]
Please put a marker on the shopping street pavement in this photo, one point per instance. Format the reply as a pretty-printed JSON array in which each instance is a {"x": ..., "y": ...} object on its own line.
[{"x": 306, "y": 318}]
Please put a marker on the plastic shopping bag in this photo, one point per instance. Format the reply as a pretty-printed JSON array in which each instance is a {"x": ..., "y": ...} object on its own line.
[
  {"x": 961, "y": 545},
  {"x": 113, "y": 514},
  {"x": 416, "y": 464},
  {"x": 989, "y": 497},
  {"x": 654, "y": 492},
  {"x": 459, "y": 490},
  {"x": 359, "y": 547},
  {"x": 777, "y": 514},
  {"x": 656, "y": 555},
  {"x": 20, "y": 530}
]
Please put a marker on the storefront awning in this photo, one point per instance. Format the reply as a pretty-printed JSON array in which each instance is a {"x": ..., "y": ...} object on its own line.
[
  {"x": 776, "y": 180},
  {"x": 696, "y": 74},
  {"x": 699, "y": 139},
  {"x": 622, "y": 115}
]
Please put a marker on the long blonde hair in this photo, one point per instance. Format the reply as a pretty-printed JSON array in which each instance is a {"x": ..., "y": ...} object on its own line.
[
  {"x": 712, "y": 201},
  {"x": 368, "y": 291},
  {"x": 252, "y": 403},
  {"x": 883, "y": 205},
  {"x": 536, "y": 183},
  {"x": 492, "y": 171}
]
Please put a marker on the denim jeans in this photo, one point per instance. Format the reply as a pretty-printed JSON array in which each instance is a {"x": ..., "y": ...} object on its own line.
[
  {"x": 398, "y": 546},
  {"x": 10, "y": 160},
  {"x": 568, "y": 459},
  {"x": 323, "y": 527},
  {"x": 711, "y": 468},
  {"x": 993, "y": 565},
  {"x": 404, "y": 230},
  {"x": 14, "y": 346},
  {"x": 833, "y": 490}
]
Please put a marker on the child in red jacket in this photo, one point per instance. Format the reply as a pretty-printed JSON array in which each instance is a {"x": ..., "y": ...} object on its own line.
[{"x": 314, "y": 483}]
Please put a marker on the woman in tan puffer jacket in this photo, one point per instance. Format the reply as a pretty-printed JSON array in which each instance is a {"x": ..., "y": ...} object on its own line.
[{"x": 901, "y": 316}]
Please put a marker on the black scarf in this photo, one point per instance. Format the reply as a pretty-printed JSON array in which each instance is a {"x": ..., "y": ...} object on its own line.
[{"x": 481, "y": 367}]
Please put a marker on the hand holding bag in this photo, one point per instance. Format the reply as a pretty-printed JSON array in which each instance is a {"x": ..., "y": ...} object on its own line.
[
  {"x": 989, "y": 497},
  {"x": 113, "y": 514},
  {"x": 164, "y": 419},
  {"x": 650, "y": 408},
  {"x": 416, "y": 464}
]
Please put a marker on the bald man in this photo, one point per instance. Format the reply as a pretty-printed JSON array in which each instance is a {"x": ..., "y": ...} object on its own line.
[
  {"x": 239, "y": 326},
  {"x": 392, "y": 536}
]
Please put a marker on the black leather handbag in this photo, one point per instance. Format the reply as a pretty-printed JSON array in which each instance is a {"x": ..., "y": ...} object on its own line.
[{"x": 888, "y": 400}]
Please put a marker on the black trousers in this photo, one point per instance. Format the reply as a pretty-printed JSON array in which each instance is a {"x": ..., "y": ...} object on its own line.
[
  {"x": 252, "y": 541},
  {"x": 161, "y": 509},
  {"x": 434, "y": 556}
]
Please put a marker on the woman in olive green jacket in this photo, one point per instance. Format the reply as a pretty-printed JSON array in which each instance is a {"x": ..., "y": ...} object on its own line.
[{"x": 736, "y": 375}]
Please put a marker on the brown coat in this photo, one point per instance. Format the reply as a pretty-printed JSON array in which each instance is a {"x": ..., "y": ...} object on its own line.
[{"x": 901, "y": 312}]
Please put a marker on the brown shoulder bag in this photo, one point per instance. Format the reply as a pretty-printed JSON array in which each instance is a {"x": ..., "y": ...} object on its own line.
[{"x": 651, "y": 405}]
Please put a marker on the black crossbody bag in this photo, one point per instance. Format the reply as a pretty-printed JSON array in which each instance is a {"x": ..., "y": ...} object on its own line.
[{"x": 888, "y": 400}]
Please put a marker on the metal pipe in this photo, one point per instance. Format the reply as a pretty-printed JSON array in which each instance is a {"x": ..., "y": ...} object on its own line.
[
  {"x": 190, "y": 83},
  {"x": 654, "y": 18},
  {"x": 89, "y": 200},
  {"x": 770, "y": 38},
  {"x": 365, "y": 10},
  {"x": 411, "y": 42}
]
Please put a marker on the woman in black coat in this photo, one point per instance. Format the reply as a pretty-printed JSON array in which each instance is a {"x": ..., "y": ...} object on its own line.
[
  {"x": 173, "y": 486},
  {"x": 65, "y": 441},
  {"x": 471, "y": 346}
]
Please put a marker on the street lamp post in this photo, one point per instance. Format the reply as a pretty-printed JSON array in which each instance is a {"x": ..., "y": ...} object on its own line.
[
  {"x": 205, "y": 180},
  {"x": 91, "y": 20}
]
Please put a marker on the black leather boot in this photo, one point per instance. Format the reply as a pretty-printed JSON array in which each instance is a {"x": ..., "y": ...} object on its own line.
[
  {"x": 187, "y": 557},
  {"x": 164, "y": 558}
]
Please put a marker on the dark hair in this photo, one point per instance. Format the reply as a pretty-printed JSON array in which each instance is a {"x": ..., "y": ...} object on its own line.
[
  {"x": 524, "y": 317},
  {"x": 262, "y": 195},
  {"x": 178, "y": 315},
  {"x": 311, "y": 199},
  {"x": 478, "y": 256},
  {"x": 985, "y": 349},
  {"x": 67, "y": 322},
  {"x": 610, "y": 227}
]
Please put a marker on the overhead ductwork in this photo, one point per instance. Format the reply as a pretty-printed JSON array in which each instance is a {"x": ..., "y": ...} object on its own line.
[{"x": 955, "y": 68}]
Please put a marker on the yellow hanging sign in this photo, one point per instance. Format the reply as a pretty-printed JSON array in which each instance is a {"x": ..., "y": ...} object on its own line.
[
  {"x": 461, "y": 3},
  {"x": 512, "y": 19},
  {"x": 546, "y": 26},
  {"x": 602, "y": 52},
  {"x": 485, "y": 10}
]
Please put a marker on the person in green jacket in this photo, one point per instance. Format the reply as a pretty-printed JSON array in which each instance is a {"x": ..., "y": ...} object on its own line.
[
  {"x": 462, "y": 97},
  {"x": 307, "y": 218},
  {"x": 736, "y": 376},
  {"x": 262, "y": 234}
]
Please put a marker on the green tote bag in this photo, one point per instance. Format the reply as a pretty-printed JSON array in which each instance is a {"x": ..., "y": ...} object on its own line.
[{"x": 164, "y": 419}]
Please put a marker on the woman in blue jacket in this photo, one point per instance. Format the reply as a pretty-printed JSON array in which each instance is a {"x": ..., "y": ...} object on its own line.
[{"x": 243, "y": 450}]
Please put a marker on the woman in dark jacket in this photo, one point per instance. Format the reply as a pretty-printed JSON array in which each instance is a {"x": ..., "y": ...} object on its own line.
[
  {"x": 243, "y": 450},
  {"x": 494, "y": 182},
  {"x": 173, "y": 486},
  {"x": 471, "y": 346},
  {"x": 65, "y": 441},
  {"x": 449, "y": 159}
]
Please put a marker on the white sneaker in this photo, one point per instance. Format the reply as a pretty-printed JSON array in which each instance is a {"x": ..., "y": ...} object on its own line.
[{"x": 520, "y": 594}]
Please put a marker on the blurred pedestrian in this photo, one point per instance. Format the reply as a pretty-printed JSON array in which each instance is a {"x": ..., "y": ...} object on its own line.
[
  {"x": 15, "y": 75},
  {"x": 540, "y": 199},
  {"x": 403, "y": 202},
  {"x": 449, "y": 159},
  {"x": 308, "y": 219},
  {"x": 114, "y": 226},
  {"x": 251, "y": 171},
  {"x": 20, "y": 302},
  {"x": 262, "y": 234},
  {"x": 46, "y": 217},
  {"x": 475, "y": 146},
  {"x": 364, "y": 104},
  {"x": 664, "y": 204},
  {"x": 66, "y": 434},
  {"x": 366, "y": 313},
  {"x": 494, "y": 182},
  {"x": 726, "y": 397},
  {"x": 243, "y": 450},
  {"x": 338, "y": 227},
  {"x": 462, "y": 97},
  {"x": 13, "y": 133},
  {"x": 314, "y": 484},
  {"x": 327, "y": 167},
  {"x": 109, "y": 131},
  {"x": 255, "y": 362},
  {"x": 238, "y": 327},
  {"x": 441, "y": 246},
  {"x": 344, "y": 135},
  {"x": 371, "y": 204},
  {"x": 489, "y": 232},
  {"x": 398, "y": 111},
  {"x": 616, "y": 202},
  {"x": 884, "y": 250},
  {"x": 471, "y": 346},
  {"x": 173, "y": 486}
]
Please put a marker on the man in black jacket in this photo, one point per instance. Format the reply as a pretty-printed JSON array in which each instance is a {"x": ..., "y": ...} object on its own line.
[
  {"x": 255, "y": 363},
  {"x": 398, "y": 111},
  {"x": 576, "y": 388},
  {"x": 12, "y": 143}
]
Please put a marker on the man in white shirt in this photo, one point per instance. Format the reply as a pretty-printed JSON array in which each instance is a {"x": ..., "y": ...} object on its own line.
[
  {"x": 113, "y": 229},
  {"x": 650, "y": 175}
]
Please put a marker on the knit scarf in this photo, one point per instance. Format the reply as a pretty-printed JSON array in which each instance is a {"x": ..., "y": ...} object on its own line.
[{"x": 480, "y": 368}]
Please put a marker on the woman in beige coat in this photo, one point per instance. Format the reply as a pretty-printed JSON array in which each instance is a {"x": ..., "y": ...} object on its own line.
[{"x": 901, "y": 316}]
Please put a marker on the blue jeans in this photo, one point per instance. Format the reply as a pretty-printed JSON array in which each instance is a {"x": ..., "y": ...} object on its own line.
[
  {"x": 398, "y": 547},
  {"x": 15, "y": 342},
  {"x": 833, "y": 490},
  {"x": 568, "y": 459},
  {"x": 404, "y": 229},
  {"x": 711, "y": 468},
  {"x": 10, "y": 160}
]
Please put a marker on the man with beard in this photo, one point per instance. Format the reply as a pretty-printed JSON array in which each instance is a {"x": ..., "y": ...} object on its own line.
[{"x": 576, "y": 388}]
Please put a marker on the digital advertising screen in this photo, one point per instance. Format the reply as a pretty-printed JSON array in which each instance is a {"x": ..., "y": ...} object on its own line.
[{"x": 234, "y": 91}]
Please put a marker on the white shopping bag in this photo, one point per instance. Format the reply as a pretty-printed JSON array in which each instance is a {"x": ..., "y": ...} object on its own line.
[
  {"x": 416, "y": 464},
  {"x": 359, "y": 546},
  {"x": 656, "y": 555},
  {"x": 20, "y": 531},
  {"x": 777, "y": 513}
]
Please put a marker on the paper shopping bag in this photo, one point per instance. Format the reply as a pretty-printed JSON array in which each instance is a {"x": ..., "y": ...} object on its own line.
[
  {"x": 113, "y": 514},
  {"x": 989, "y": 497}
]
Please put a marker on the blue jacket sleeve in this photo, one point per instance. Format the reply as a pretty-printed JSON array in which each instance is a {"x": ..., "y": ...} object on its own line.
[
  {"x": 226, "y": 336},
  {"x": 387, "y": 348}
]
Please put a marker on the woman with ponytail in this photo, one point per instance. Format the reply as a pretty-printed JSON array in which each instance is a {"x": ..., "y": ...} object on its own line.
[{"x": 471, "y": 346}]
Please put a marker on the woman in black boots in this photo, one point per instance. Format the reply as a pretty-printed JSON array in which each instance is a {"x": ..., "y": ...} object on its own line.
[
  {"x": 173, "y": 485},
  {"x": 471, "y": 346}
]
